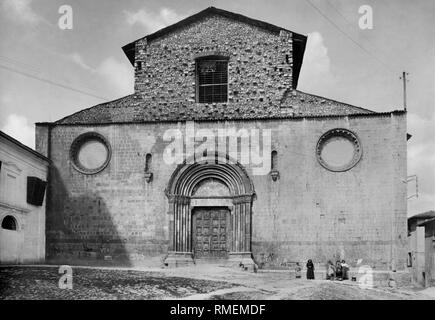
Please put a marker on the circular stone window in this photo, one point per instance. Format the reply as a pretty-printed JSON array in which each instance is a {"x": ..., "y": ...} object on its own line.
[
  {"x": 90, "y": 153},
  {"x": 338, "y": 150}
]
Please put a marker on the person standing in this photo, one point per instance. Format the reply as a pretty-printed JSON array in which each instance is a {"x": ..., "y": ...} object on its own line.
[
  {"x": 298, "y": 271},
  {"x": 330, "y": 273},
  {"x": 345, "y": 270},
  {"x": 310, "y": 270},
  {"x": 338, "y": 271}
]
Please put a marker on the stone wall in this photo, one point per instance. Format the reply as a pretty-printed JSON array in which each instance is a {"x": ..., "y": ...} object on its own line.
[
  {"x": 259, "y": 67},
  {"x": 309, "y": 212},
  {"x": 313, "y": 212}
]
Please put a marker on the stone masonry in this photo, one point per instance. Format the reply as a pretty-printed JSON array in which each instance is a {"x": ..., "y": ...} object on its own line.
[{"x": 309, "y": 212}]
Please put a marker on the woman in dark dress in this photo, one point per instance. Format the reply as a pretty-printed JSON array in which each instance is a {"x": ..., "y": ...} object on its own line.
[
  {"x": 310, "y": 270},
  {"x": 338, "y": 271}
]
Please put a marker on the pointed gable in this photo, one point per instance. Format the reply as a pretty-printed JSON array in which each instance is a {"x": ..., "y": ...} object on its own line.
[
  {"x": 298, "y": 40},
  {"x": 264, "y": 63}
]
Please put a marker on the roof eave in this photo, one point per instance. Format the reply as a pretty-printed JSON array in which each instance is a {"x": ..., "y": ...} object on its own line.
[
  {"x": 299, "y": 45},
  {"x": 24, "y": 147},
  {"x": 129, "y": 50}
]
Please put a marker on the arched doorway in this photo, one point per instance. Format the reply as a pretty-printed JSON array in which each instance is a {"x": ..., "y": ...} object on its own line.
[
  {"x": 210, "y": 208},
  {"x": 210, "y": 233}
]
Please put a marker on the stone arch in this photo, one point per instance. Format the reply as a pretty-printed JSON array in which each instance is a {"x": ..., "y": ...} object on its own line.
[
  {"x": 231, "y": 173},
  {"x": 180, "y": 193}
]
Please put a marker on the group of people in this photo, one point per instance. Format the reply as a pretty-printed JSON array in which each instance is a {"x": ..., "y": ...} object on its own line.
[{"x": 339, "y": 271}]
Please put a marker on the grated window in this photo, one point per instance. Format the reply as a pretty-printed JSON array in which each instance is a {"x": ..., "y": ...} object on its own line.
[{"x": 212, "y": 80}]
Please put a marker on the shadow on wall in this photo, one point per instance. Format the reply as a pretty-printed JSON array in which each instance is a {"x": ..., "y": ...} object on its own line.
[{"x": 80, "y": 229}]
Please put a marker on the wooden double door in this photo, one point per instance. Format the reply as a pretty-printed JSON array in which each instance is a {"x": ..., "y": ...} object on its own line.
[{"x": 210, "y": 232}]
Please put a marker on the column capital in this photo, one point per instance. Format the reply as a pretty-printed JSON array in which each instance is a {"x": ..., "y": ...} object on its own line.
[
  {"x": 243, "y": 198},
  {"x": 177, "y": 198}
]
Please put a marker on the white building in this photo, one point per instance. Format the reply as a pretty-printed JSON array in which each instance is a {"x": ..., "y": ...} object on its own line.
[
  {"x": 23, "y": 176},
  {"x": 421, "y": 236}
]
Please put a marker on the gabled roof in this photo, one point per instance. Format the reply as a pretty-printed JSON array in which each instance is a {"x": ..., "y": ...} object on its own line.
[
  {"x": 23, "y": 146},
  {"x": 420, "y": 219},
  {"x": 119, "y": 110},
  {"x": 306, "y": 104},
  {"x": 299, "y": 40},
  {"x": 131, "y": 109},
  {"x": 294, "y": 104}
]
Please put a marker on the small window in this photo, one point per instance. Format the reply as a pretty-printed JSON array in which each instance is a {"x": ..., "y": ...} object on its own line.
[
  {"x": 9, "y": 223},
  {"x": 148, "y": 159},
  {"x": 212, "y": 79},
  {"x": 274, "y": 160}
]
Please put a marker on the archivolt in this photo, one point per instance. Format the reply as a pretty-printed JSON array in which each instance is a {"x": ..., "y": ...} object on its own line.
[
  {"x": 232, "y": 174},
  {"x": 180, "y": 190}
]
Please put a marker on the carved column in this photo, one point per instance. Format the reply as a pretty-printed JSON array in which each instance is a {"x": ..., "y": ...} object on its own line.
[
  {"x": 180, "y": 250},
  {"x": 240, "y": 246}
]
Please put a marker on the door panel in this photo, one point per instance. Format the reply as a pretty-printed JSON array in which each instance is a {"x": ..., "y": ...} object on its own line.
[{"x": 210, "y": 232}]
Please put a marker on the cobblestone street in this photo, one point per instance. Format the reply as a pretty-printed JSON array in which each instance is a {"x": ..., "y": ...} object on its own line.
[
  {"x": 200, "y": 282},
  {"x": 43, "y": 283}
]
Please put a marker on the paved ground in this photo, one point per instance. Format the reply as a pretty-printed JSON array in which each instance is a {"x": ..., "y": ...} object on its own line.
[
  {"x": 43, "y": 283},
  {"x": 200, "y": 282},
  {"x": 429, "y": 291}
]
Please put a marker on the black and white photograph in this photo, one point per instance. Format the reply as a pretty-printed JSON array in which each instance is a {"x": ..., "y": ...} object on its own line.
[{"x": 235, "y": 152}]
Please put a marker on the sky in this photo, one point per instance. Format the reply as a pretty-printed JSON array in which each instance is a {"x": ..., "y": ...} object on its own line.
[{"x": 47, "y": 72}]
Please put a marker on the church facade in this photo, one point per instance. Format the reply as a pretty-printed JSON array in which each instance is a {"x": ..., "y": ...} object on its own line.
[{"x": 217, "y": 156}]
